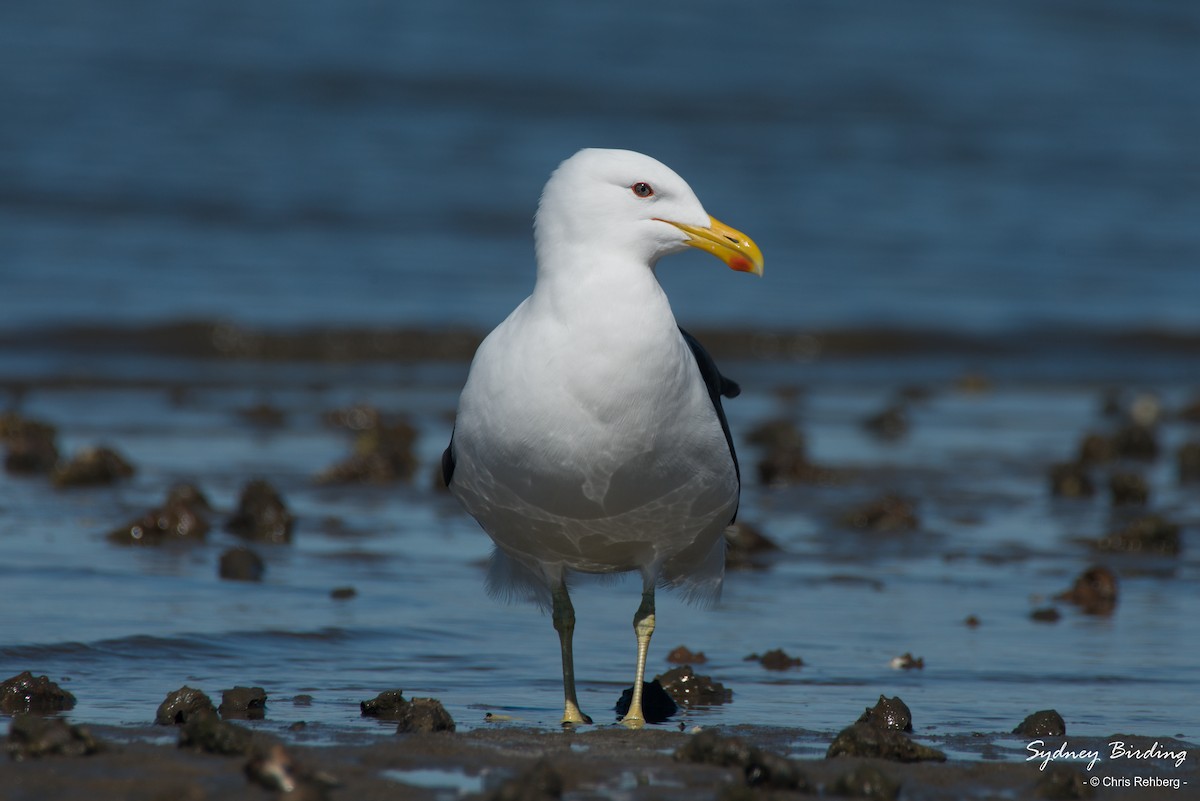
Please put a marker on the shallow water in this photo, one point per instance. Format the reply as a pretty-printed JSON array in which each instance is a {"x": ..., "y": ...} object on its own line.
[
  {"x": 1022, "y": 181},
  {"x": 123, "y": 626}
]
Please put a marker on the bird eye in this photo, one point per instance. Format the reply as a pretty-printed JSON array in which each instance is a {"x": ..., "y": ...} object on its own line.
[{"x": 642, "y": 189}]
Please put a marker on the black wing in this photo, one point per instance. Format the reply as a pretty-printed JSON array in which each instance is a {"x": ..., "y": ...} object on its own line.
[
  {"x": 718, "y": 386},
  {"x": 448, "y": 461}
]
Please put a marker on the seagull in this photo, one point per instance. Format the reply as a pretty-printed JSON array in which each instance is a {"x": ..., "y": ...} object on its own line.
[{"x": 590, "y": 436}]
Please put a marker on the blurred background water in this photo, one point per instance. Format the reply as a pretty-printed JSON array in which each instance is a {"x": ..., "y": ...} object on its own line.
[{"x": 1001, "y": 170}]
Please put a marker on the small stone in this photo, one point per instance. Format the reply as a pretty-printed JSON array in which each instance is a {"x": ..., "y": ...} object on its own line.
[
  {"x": 182, "y": 705},
  {"x": 1071, "y": 480},
  {"x": 1128, "y": 489},
  {"x": 243, "y": 703},
  {"x": 383, "y": 450},
  {"x": 1064, "y": 783},
  {"x": 182, "y": 518},
  {"x": 424, "y": 715},
  {"x": 241, "y": 564},
  {"x": 92, "y": 467},
  {"x": 776, "y": 659},
  {"x": 39, "y": 695},
  {"x": 886, "y": 513},
  {"x": 388, "y": 705},
  {"x": 888, "y": 424},
  {"x": 683, "y": 656},
  {"x": 888, "y": 713},
  {"x": 1096, "y": 449},
  {"x": 1046, "y": 614},
  {"x": 29, "y": 445},
  {"x": 689, "y": 689},
  {"x": 866, "y": 740},
  {"x": 760, "y": 769},
  {"x": 1148, "y": 534},
  {"x": 866, "y": 781},
  {"x": 210, "y": 733},
  {"x": 1188, "y": 459},
  {"x": 1136, "y": 442},
  {"x": 33, "y": 737},
  {"x": 1043, "y": 723},
  {"x": 1094, "y": 591},
  {"x": 541, "y": 782},
  {"x": 261, "y": 515}
]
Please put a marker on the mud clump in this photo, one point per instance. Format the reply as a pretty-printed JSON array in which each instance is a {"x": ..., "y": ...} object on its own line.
[
  {"x": 1095, "y": 449},
  {"x": 92, "y": 467},
  {"x": 34, "y": 737},
  {"x": 1152, "y": 534},
  {"x": 1188, "y": 460},
  {"x": 1062, "y": 783},
  {"x": 424, "y": 715},
  {"x": 261, "y": 515},
  {"x": 383, "y": 449},
  {"x": 29, "y": 446},
  {"x": 1128, "y": 489},
  {"x": 388, "y": 705},
  {"x": 215, "y": 736},
  {"x": 243, "y": 703},
  {"x": 183, "y": 517},
  {"x": 759, "y": 768},
  {"x": 241, "y": 564},
  {"x": 689, "y": 689},
  {"x": 263, "y": 415},
  {"x": 775, "y": 659},
  {"x": 1043, "y": 723},
  {"x": 868, "y": 782},
  {"x": 888, "y": 713},
  {"x": 682, "y": 655},
  {"x": 1094, "y": 591},
  {"x": 879, "y": 733},
  {"x": 886, "y": 513},
  {"x": 657, "y": 703},
  {"x": 785, "y": 460},
  {"x": 1071, "y": 480},
  {"x": 38, "y": 695},
  {"x": 867, "y": 740},
  {"x": 183, "y": 705},
  {"x": 747, "y": 546},
  {"x": 417, "y": 715},
  {"x": 541, "y": 782},
  {"x": 890, "y": 423},
  {"x": 1136, "y": 441},
  {"x": 1046, "y": 614}
]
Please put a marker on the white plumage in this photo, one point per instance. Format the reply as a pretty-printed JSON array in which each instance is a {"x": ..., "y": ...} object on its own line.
[{"x": 589, "y": 434}]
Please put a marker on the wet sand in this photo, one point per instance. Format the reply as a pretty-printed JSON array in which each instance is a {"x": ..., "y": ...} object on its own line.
[{"x": 597, "y": 762}]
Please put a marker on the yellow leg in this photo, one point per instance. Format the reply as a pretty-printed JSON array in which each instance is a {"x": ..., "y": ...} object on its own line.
[
  {"x": 643, "y": 627},
  {"x": 564, "y": 624}
]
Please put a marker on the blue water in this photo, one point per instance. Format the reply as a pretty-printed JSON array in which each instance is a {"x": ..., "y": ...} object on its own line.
[
  {"x": 985, "y": 168},
  {"x": 972, "y": 165}
]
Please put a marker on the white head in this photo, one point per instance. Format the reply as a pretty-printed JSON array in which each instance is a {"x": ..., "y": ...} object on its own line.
[{"x": 622, "y": 201}]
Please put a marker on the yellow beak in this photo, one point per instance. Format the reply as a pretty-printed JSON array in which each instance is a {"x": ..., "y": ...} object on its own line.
[{"x": 727, "y": 244}]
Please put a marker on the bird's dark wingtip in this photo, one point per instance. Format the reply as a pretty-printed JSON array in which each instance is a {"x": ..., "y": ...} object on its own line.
[{"x": 448, "y": 462}]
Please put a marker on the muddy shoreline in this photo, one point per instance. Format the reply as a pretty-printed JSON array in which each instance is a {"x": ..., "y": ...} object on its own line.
[
  {"x": 215, "y": 339},
  {"x": 595, "y": 762}
]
